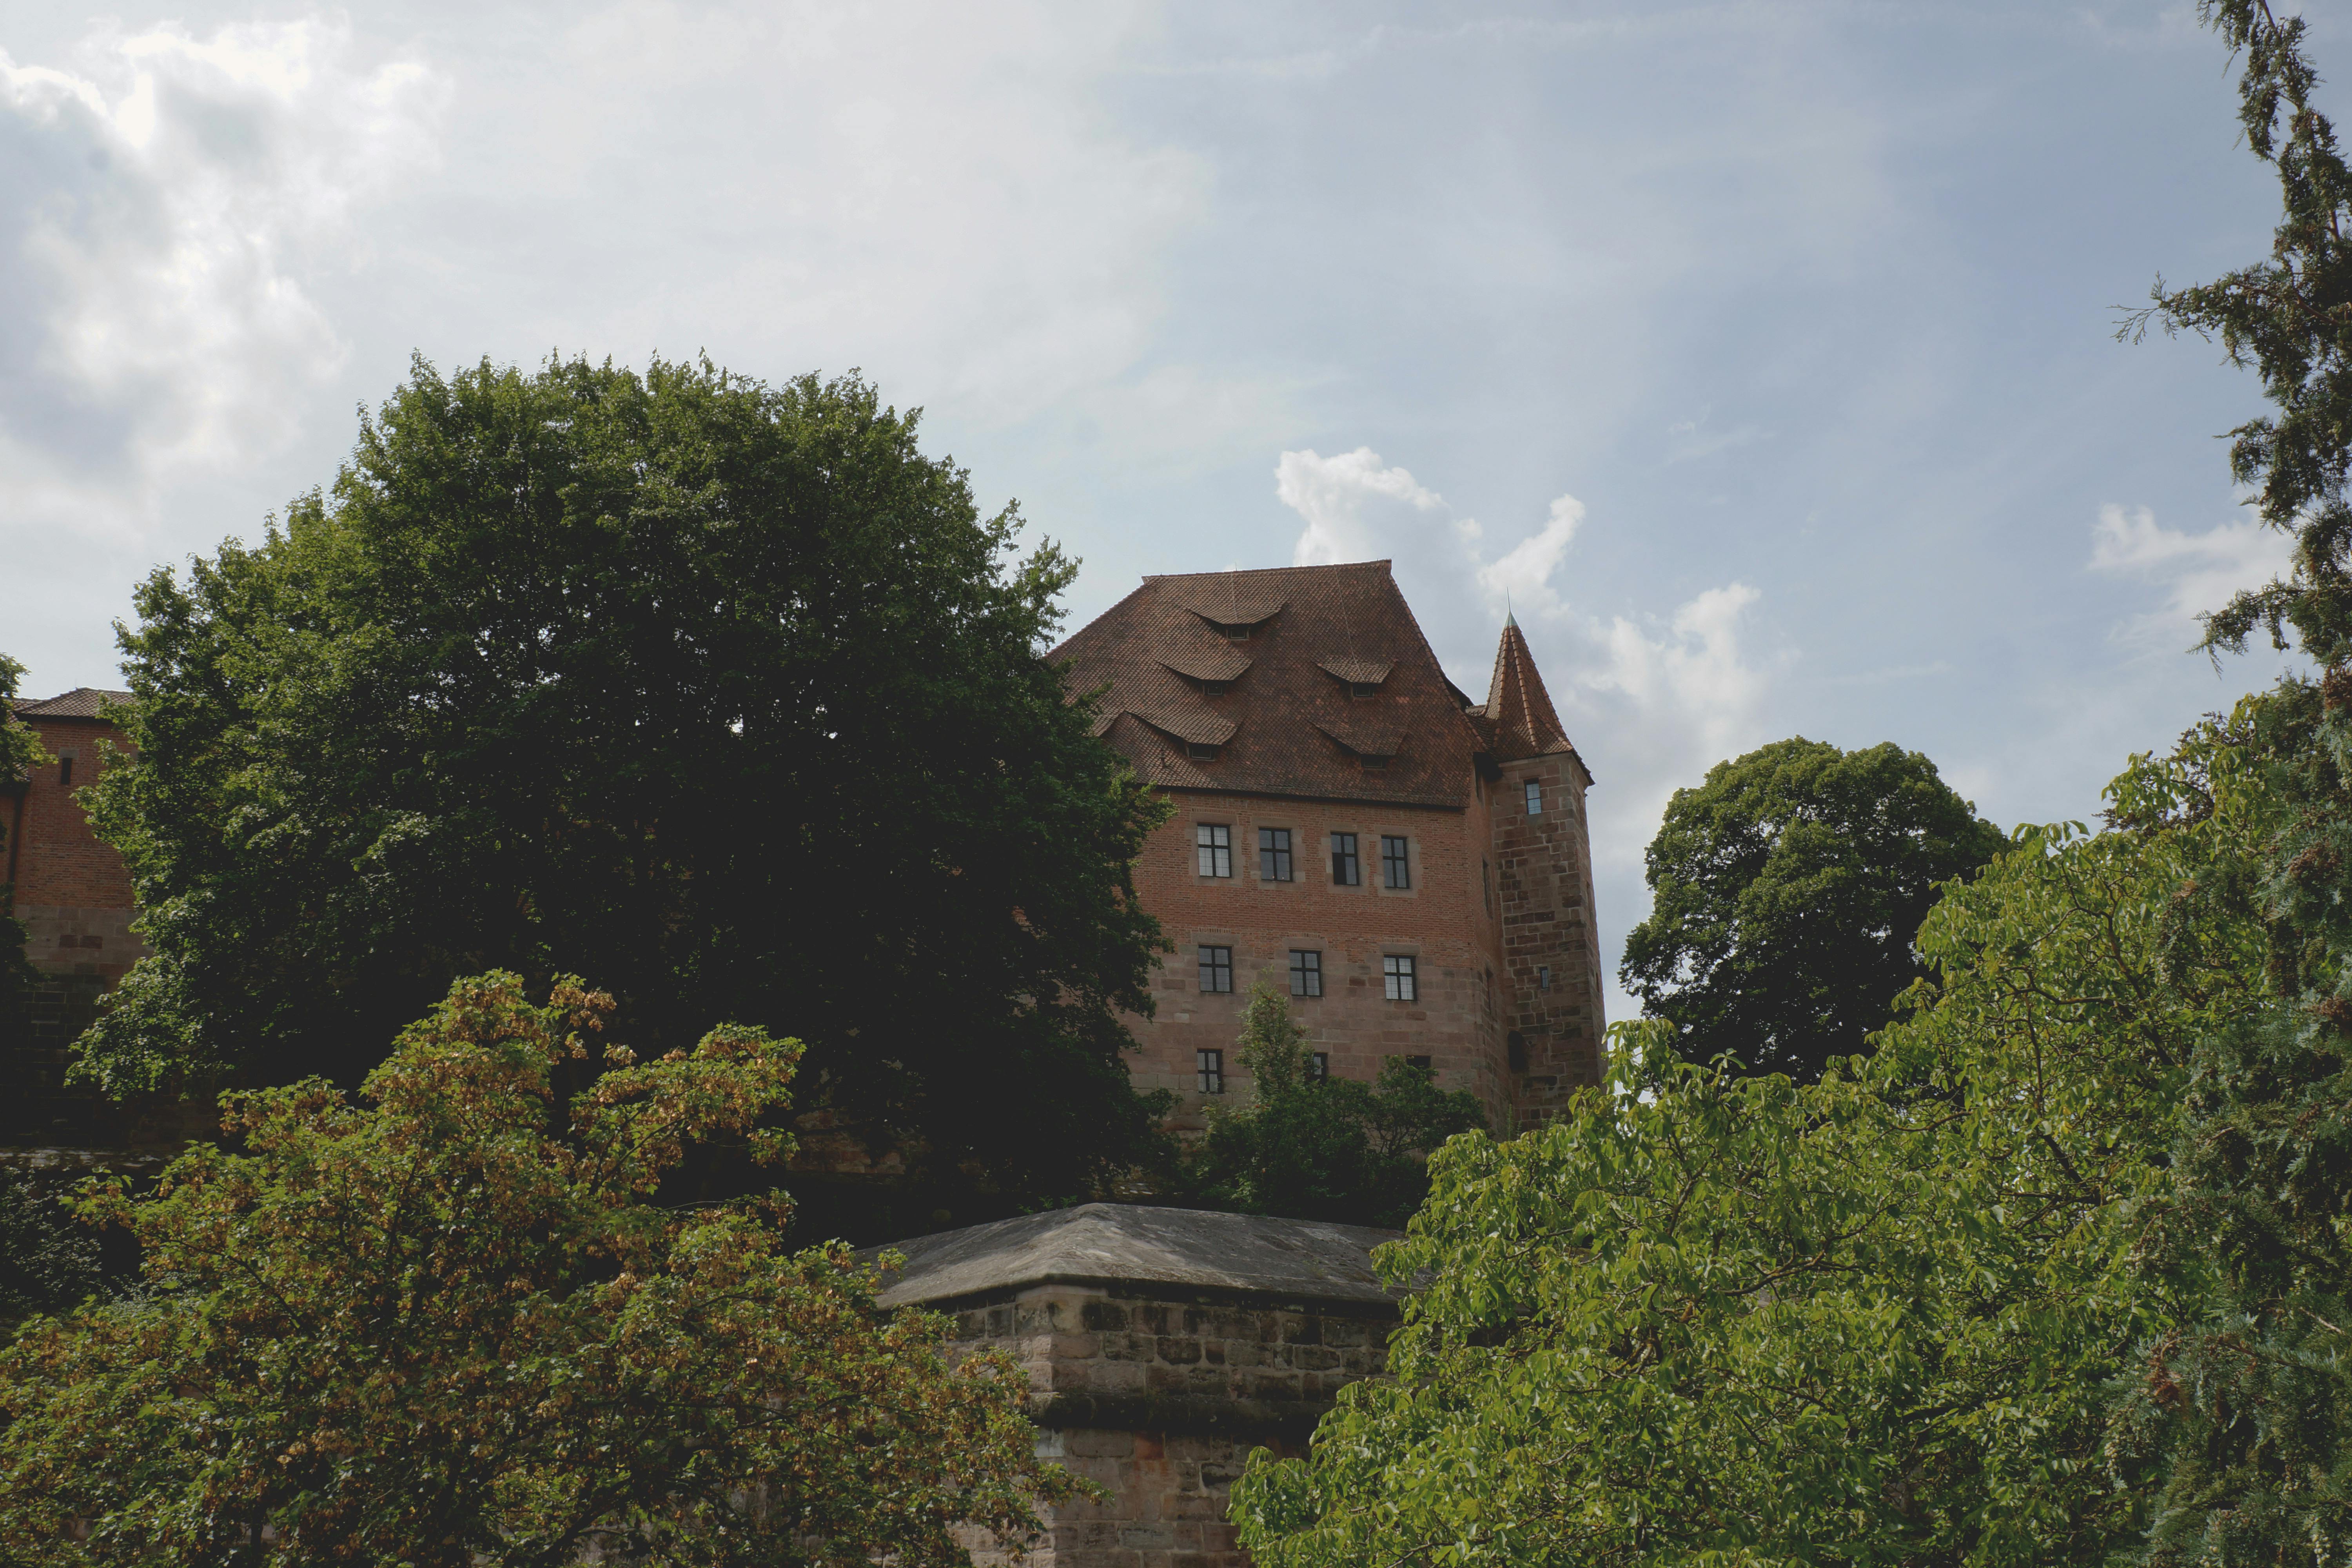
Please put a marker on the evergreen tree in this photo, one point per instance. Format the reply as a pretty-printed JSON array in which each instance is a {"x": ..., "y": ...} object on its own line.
[{"x": 2244, "y": 1405}]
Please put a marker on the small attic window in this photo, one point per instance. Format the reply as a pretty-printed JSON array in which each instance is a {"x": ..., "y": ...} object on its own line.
[
  {"x": 1201, "y": 751},
  {"x": 1363, "y": 689},
  {"x": 1232, "y": 631},
  {"x": 1216, "y": 687}
]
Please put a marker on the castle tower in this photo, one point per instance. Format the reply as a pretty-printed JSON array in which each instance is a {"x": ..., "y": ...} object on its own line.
[{"x": 1551, "y": 946}]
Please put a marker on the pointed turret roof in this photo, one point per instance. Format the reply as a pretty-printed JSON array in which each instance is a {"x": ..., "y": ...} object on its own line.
[{"x": 1518, "y": 712}]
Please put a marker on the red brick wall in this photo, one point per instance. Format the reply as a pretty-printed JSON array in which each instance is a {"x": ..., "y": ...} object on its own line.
[
  {"x": 1497, "y": 898},
  {"x": 1443, "y": 921},
  {"x": 72, "y": 892}
]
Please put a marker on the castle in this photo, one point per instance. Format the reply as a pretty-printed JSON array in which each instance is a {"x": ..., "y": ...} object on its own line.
[{"x": 1411, "y": 867}]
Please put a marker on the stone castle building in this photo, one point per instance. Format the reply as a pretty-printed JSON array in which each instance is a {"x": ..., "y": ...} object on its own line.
[
  {"x": 73, "y": 895},
  {"x": 1409, "y": 867}
]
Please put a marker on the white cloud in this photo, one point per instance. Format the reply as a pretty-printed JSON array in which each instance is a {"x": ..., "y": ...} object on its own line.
[
  {"x": 1651, "y": 701},
  {"x": 2196, "y": 572},
  {"x": 160, "y": 205},
  {"x": 1357, "y": 508},
  {"x": 1523, "y": 575}
]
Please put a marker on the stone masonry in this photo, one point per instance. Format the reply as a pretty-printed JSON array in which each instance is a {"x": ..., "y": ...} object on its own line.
[{"x": 1162, "y": 1346}]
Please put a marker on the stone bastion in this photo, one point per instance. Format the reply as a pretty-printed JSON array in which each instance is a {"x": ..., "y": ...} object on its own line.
[{"x": 1162, "y": 1346}]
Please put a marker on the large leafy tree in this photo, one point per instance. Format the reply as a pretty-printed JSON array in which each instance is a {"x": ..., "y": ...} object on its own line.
[
  {"x": 724, "y": 692},
  {"x": 453, "y": 1326},
  {"x": 1309, "y": 1146},
  {"x": 1708, "y": 1316},
  {"x": 1786, "y": 890}
]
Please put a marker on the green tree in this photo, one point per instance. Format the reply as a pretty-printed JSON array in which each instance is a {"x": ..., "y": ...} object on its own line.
[
  {"x": 453, "y": 1327},
  {"x": 48, "y": 1261},
  {"x": 1708, "y": 1316},
  {"x": 1310, "y": 1147},
  {"x": 20, "y": 754},
  {"x": 1785, "y": 893},
  {"x": 2243, "y": 1407},
  {"x": 725, "y": 691}
]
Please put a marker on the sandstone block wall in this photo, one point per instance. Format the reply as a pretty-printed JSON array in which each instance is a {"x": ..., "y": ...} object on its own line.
[
  {"x": 1551, "y": 945},
  {"x": 1161, "y": 1400}
]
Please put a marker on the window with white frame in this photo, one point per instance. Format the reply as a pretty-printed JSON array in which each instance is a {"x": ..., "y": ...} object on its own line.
[
  {"x": 1216, "y": 968},
  {"x": 1535, "y": 798},
  {"x": 1211, "y": 1068}
]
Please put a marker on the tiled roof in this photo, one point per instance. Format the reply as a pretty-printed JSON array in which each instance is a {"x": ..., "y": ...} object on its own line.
[
  {"x": 81, "y": 702},
  {"x": 1295, "y": 729},
  {"x": 1518, "y": 717}
]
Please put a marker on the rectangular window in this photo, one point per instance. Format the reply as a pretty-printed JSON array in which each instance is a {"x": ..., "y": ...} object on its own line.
[
  {"x": 1397, "y": 976},
  {"x": 1543, "y": 978},
  {"x": 1306, "y": 973},
  {"x": 1215, "y": 843},
  {"x": 1318, "y": 1065},
  {"x": 1273, "y": 854},
  {"x": 1421, "y": 1062},
  {"x": 1216, "y": 969},
  {"x": 65, "y": 771},
  {"x": 1396, "y": 866},
  {"x": 1346, "y": 872},
  {"x": 1535, "y": 798},
  {"x": 1210, "y": 1065},
  {"x": 1485, "y": 887}
]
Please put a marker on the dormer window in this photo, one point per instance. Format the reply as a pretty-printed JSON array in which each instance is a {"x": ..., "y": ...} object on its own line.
[
  {"x": 1216, "y": 687},
  {"x": 1232, "y": 631},
  {"x": 1201, "y": 752},
  {"x": 1360, "y": 688}
]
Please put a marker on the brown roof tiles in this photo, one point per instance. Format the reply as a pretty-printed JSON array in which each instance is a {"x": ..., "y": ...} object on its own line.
[
  {"x": 1517, "y": 714},
  {"x": 81, "y": 702},
  {"x": 1295, "y": 730}
]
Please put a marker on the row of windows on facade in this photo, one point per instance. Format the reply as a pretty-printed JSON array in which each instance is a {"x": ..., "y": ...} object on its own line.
[
  {"x": 1214, "y": 846},
  {"x": 1208, "y": 1066},
  {"x": 1400, "y": 976}
]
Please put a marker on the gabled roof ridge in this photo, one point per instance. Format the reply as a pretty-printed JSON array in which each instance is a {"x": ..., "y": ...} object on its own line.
[
  {"x": 81, "y": 702},
  {"x": 1382, "y": 565}
]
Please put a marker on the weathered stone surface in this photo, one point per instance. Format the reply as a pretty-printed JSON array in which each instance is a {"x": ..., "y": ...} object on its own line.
[
  {"x": 1162, "y": 1346},
  {"x": 1132, "y": 1245}
]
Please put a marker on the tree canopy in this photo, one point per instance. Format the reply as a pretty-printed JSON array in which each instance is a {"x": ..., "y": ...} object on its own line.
[
  {"x": 1306, "y": 1146},
  {"x": 724, "y": 692},
  {"x": 1786, "y": 890},
  {"x": 2060, "y": 1274},
  {"x": 1708, "y": 1316},
  {"x": 454, "y": 1326}
]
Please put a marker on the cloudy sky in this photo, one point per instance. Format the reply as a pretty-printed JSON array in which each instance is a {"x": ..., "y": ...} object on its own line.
[{"x": 1760, "y": 355}]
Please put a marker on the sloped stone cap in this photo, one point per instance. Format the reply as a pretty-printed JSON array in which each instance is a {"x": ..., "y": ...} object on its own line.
[{"x": 1124, "y": 1244}]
